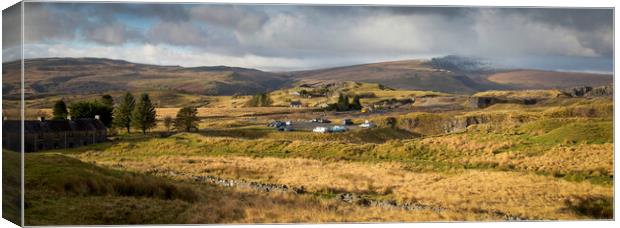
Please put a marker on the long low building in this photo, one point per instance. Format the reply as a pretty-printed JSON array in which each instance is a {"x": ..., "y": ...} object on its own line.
[{"x": 52, "y": 134}]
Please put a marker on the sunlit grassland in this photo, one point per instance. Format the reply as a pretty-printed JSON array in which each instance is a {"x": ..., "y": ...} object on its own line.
[
  {"x": 511, "y": 167},
  {"x": 552, "y": 160},
  {"x": 66, "y": 191},
  {"x": 520, "y": 94},
  {"x": 359, "y": 170}
]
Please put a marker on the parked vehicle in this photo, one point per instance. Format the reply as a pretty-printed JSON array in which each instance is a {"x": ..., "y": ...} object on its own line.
[
  {"x": 338, "y": 128},
  {"x": 320, "y": 130},
  {"x": 320, "y": 120},
  {"x": 276, "y": 124},
  {"x": 367, "y": 124},
  {"x": 347, "y": 122}
]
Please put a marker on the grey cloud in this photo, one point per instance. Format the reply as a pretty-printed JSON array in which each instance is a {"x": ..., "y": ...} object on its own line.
[
  {"x": 65, "y": 22},
  {"x": 583, "y": 19},
  {"x": 11, "y": 26},
  {"x": 178, "y": 34},
  {"x": 593, "y": 27},
  {"x": 41, "y": 24},
  {"x": 242, "y": 19},
  {"x": 112, "y": 34},
  {"x": 11, "y": 33},
  {"x": 167, "y": 12},
  {"x": 351, "y": 33}
]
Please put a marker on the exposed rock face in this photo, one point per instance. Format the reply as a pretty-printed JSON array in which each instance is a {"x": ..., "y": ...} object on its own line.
[
  {"x": 428, "y": 124},
  {"x": 607, "y": 90},
  {"x": 587, "y": 91},
  {"x": 482, "y": 102},
  {"x": 393, "y": 103}
]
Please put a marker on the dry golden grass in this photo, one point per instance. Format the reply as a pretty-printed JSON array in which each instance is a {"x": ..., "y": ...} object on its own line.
[
  {"x": 506, "y": 151},
  {"x": 589, "y": 158},
  {"x": 230, "y": 112},
  {"x": 65, "y": 191},
  {"x": 525, "y": 195},
  {"x": 520, "y": 94},
  {"x": 465, "y": 146},
  {"x": 284, "y": 208}
]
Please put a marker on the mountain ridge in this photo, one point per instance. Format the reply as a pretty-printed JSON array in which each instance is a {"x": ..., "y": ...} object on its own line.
[{"x": 59, "y": 75}]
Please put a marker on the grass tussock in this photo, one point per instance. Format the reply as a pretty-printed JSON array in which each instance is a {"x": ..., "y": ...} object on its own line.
[
  {"x": 520, "y": 94},
  {"x": 11, "y": 186},
  {"x": 600, "y": 207},
  {"x": 71, "y": 177},
  {"x": 602, "y": 110}
]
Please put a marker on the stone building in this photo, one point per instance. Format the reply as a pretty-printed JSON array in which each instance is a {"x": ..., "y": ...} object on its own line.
[
  {"x": 295, "y": 104},
  {"x": 45, "y": 134}
]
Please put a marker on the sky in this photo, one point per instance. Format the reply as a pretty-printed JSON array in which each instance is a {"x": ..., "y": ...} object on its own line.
[{"x": 299, "y": 37}]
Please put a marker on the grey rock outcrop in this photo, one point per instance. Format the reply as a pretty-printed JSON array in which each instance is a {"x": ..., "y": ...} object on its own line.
[
  {"x": 482, "y": 102},
  {"x": 587, "y": 91}
]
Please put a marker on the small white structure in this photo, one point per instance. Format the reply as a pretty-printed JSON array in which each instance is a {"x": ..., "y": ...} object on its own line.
[
  {"x": 320, "y": 130},
  {"x": 288, "y": 123},
  {"x": 338, "y": 129},
  {"x": 367, "y": 124}
]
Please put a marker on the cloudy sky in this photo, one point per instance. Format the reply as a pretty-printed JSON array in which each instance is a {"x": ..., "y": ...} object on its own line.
[{"x": 288, "y": 37}]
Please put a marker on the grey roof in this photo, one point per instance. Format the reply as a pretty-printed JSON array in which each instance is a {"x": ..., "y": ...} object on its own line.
[{"x": 50, "y": 126}]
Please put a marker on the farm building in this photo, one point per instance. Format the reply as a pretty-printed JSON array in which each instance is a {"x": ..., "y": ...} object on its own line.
[
  {"x": 52, "y": 134},
  {"x": 295, "y": 104}
]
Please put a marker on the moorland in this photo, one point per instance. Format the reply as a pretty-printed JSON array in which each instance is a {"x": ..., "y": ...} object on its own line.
[{"x": 443, "y": 143}]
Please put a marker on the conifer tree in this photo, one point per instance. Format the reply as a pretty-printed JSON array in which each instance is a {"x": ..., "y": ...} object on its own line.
[
  {"x": 187, "y": 119},
  {"x": 143, "y": 115},
  {"x": 106, "y": 99},
  {"x": 356, "y": 104},
  {"x": 60, "y": 110},
  {"x": 122, "y": 113}
]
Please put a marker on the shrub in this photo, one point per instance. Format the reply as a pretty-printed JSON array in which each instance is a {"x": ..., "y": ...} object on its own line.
[
  {"x": 90, "y": 109},
  {"x": 599, "y": 207},
  {"x": 260, "y": 100}
]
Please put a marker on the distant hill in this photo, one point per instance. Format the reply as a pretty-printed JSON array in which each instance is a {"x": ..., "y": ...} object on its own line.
[
  {"x": 537, "y": 79},
  {"x": 48, "y": 77},
  {"x": 408, "y": 74},
  {"x": 452, "y": 74},
  {"x": 94, "y": 75}
]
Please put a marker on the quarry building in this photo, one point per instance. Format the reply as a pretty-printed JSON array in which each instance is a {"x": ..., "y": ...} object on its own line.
[{"x": 45, "y": 134}]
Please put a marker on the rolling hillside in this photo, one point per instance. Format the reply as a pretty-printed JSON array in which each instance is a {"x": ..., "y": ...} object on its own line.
[
  {"x": 408, "y": 74},
  {"x": 51, "y": 76},
  {"x": 427, "y": 75},
  {"x": 538, "y": 79},
  {"x": 61, "y": 77}
]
